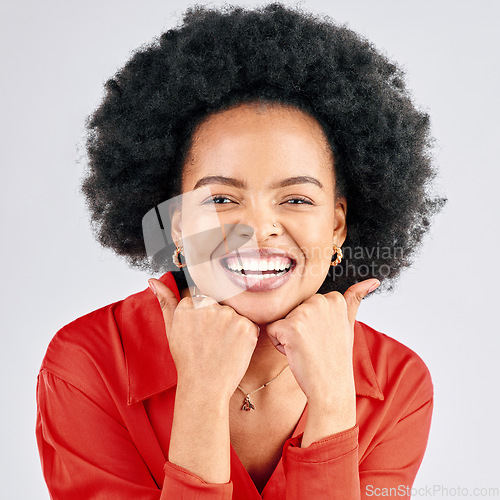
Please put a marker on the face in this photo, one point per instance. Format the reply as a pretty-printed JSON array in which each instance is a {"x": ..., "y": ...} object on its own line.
[{"x": 259, "y": 216}]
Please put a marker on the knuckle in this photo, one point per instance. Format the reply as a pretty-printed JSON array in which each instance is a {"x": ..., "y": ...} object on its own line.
[
  {"x": 252, "y": 336},
  {"x": 299, "y": 326},
  {"x": 249, "y": 328},
  {"x": 318, "y": 299},
  {"x": 185, "y": 303},
  {"x": 339, "y": 301},
  {"x": 244, "y": 324},
  {"x": 227, "y": 313},
  {"x": 337, "y": 297}
]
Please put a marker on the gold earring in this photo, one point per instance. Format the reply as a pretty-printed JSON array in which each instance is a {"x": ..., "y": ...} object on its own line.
[
  {"x": 175, "y": 257},
  {"x": 338, "y": 251}
]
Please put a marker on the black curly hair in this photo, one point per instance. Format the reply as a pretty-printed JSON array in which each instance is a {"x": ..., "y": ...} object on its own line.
[{"x": 139, "y": 136}]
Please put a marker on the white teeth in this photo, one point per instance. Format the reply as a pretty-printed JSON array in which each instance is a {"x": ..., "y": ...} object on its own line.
[
  {"x": 235, "y": 266},
  {"x": 278, "y": 264},
  {"x": 244, "y": 264},
  {"x": 254, "y": 265},
  {"x": 267, "y": 276}
]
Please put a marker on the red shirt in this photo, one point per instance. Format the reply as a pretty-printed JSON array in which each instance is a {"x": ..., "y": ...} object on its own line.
[{"x": 105, "y": 398}]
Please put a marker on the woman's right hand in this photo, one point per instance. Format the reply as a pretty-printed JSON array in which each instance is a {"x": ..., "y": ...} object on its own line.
[{"x": 211, "y": 344}]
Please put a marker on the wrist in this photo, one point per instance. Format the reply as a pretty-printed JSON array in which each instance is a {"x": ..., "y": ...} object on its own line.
[
  {"x": 339, "y": 397},
  {"x": 334, "y": 402},
  {"x": 327, "y": 416},
  {"x": 205, "y": 396},
  {"x": 341, "y": 412},
  {"x": 200, "y": 434}
]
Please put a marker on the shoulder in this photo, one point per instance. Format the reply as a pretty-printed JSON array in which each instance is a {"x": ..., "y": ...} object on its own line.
[
  {"x": 401, "y": 373},
  {"x": 85, "y": 351},
  {"x": 118, "y": 350}
]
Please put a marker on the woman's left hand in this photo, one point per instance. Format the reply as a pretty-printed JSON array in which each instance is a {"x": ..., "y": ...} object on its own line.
[{"x": 317, "y": 338}]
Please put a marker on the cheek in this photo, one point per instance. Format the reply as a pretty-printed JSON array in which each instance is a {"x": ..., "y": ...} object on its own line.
[
  {"x": 315, "y": 238},
  {"x": 201, "y": 235},
  {"x": 315, "y": 241},
  {"x": 316, "y": 268}
]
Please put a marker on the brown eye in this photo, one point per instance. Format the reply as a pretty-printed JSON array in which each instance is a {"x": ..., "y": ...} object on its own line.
[
  {"x": 217, "y": 200},
  {"x": 299, "y": 199}
]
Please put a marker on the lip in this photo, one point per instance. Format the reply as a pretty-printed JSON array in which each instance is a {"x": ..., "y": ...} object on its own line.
[{"x": 250, "y": 284}]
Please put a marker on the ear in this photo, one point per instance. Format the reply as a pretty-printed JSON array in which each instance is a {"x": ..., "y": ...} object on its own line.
[
  {"x": 175, "y": 223},
  {"x": 340, "y": 217}
]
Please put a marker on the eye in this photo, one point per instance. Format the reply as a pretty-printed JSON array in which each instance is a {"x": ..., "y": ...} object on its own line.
[
  {"x": 300, "y": 199},
  {"x": 217, "y": 200}
]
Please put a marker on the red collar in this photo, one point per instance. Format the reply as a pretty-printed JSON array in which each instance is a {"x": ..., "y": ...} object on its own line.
[{"x": 150, "y": 366}]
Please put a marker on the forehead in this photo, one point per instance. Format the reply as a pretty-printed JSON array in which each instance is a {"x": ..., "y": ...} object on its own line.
[{"x": 255, "y": 137}]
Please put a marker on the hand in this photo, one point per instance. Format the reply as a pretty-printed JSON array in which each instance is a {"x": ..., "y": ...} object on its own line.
[
  {"x": 317, "y": 338},
  {"x": 211, "y": 345}
]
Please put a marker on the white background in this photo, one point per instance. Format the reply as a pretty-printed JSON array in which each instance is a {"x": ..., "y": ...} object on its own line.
[{"x": 55, "y": 57}]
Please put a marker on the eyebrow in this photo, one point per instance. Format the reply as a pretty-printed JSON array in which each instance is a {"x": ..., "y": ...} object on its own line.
[{"x": 229, "y": 181}]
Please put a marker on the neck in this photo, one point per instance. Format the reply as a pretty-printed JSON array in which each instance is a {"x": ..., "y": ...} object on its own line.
[{"x": 265, "y": 364}]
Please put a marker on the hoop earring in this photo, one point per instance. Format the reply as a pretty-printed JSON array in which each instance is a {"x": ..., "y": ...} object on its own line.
[
  {"x": 337, "y": 251},
  {"x": 175, "y": 257}
]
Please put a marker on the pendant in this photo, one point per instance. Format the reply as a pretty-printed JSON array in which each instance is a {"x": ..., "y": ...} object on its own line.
[{"x": 247, "y": 405}]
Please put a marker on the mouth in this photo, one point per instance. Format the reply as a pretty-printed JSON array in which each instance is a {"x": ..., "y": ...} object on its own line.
[{"x": 258, "y": 270}]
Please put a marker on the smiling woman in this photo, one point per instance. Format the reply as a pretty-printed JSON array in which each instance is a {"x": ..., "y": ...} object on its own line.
[
  {"x": 269, "y": 172},
  {"x": 284, "y": 140}
]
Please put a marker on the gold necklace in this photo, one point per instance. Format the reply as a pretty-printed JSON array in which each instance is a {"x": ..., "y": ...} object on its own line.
[{"x": 247, "y": 405}]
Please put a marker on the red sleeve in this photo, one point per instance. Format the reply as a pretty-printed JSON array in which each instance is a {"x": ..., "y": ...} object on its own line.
[
  {"x": 325, "y": 470},
  {"x": 390, "y": 469},
  {"x": 328, "y": 469},
  {"x": 87, "y": 453},
  {"x": 181, "y": 483}
]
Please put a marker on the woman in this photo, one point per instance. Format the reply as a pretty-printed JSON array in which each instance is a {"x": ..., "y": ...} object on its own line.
[{"x": 276, "y": 138}]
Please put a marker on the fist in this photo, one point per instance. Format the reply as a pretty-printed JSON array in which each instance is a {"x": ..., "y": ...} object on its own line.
[{"x": 211, "y": 344}]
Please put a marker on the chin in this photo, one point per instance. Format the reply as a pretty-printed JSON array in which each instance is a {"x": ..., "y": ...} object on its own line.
[{"x": 257, "y": 312}]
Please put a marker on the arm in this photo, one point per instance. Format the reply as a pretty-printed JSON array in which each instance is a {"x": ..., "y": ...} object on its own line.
[
  {"x": 317, "y": 338},
  {"x": 394, "y": 462},
  {"x": 85, "y": 453},
  {"x": 88, "y": 453},
  {"x": 205, "y": 419},
  {"x": 325, "y": 470},
  {"x": 328, "y": 469},
  {"x": 322, "y": 463}
]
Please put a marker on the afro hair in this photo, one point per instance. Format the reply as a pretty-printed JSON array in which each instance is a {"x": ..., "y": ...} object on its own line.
[{"x": 139, "y": 136}]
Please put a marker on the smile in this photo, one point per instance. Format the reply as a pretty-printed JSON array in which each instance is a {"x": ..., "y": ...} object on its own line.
[{"x": 258, "y": 275}]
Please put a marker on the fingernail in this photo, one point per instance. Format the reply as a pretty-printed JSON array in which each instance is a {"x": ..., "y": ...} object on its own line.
[
  {"x": 152, "y": 287},
  {"x": 373, "y": 287}
]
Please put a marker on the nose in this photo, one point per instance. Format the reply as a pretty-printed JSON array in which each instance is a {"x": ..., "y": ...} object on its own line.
[{"x": 260, "y": 225}]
